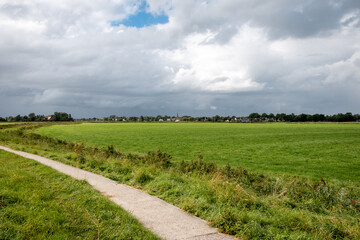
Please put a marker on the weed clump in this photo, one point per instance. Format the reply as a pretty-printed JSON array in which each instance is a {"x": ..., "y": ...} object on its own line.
[
  {"x": 143, "y": 177},
  {"x": 161, "y": 159},
  {"x": 199, "y": 166},
  {"x": 110, "y": 151}
]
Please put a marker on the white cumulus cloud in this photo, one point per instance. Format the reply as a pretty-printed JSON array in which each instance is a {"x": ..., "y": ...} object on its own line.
[{"x": 240, "y": 56}]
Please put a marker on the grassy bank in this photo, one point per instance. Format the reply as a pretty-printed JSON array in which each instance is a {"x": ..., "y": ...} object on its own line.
[
  {"x": 326, "y": 151},
  {"x": 247, "y": 204},
  {"x": 37, "y": 202}
]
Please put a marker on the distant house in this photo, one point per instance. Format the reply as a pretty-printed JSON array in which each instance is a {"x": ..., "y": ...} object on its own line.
[
  {"x": 245, "y": 120},
  {"x": 48, "y": 117},
  {"x": 161, "y": 120}
]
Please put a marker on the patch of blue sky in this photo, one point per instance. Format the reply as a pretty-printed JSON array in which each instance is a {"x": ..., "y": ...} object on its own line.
[{"x": 142, "y": 18}]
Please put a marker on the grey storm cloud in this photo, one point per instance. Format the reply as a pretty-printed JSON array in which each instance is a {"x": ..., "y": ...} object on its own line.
[{"x": 212, "y": 57}]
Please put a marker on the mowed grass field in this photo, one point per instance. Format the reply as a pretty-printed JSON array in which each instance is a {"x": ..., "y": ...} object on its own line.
[{"x": 329, "y": 151}]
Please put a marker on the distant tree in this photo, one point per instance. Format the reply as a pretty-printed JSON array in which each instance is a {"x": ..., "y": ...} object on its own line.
[
  {"x": 40, "y": 118},
  {"x": 216, "y": 118},
  {"x": 225, "y": 118},
  {"x": 17, "y": 118},
  {"x": 357, "y": 117},
  {"x": 32, "y": 117},
  {"x": 281, "y": 116},
  {"x": 121, "y": 119},
  {"x": 340, "y": 117},
  {"x": 278, "y": 117},
  {"x": 61, "y": 116},
  {"x": 133, "y": 119},
  {"x": 188, "y": 118},
  {"x": 309, "y": 118},
  {"x": 56, "y": 116},
  {"x": 330, "y": 118},
  {"x": 254, "y": 116},
  {"x": 316, "y": 117},
  {"x": 322, "y": 117},
  {"x": 300, "y": 118},
  {"x": 290, "y": 117},
  {"x": 349, "y": 117}
]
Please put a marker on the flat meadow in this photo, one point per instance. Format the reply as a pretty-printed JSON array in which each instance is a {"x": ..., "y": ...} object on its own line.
[
  {"x": 270, "y": 181},
  {"x": 323, "y": 150}
]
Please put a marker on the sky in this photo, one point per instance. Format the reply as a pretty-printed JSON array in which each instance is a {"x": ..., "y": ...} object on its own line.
[{"x": 191, "y": 57}]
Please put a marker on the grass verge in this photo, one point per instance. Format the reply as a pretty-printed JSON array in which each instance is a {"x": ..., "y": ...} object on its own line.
[
  {"x": 37, "y": 202},
  {"x": 239, "y": 202}
]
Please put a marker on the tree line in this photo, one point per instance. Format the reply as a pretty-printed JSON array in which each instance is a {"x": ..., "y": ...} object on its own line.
[
  {"x": 253, "y": 117},
  {"x": 283, "y": 117},
  {"x": 32, "y": 117}
]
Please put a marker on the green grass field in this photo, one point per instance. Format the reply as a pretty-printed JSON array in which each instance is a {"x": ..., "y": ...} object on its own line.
[
  {"x": 247, "y": 204},
  {"x": 37, "y": 202},
  {"x": 330, "y": 151}
]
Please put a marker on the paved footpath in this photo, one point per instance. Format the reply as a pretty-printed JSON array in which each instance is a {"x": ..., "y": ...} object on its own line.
[{"x": 162, "y": 218}]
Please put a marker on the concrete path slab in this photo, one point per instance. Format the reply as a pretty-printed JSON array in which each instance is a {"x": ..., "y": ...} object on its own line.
[{"x": 162, "y": 218}]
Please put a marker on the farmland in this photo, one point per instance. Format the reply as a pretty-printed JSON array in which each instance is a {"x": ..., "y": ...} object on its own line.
[
  {"x": 250, "y": 204},
  {"x": 329, "y": 151}
]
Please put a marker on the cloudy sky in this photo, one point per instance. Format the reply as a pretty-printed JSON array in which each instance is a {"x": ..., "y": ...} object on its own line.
[{"x": 195, "y": 57}]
